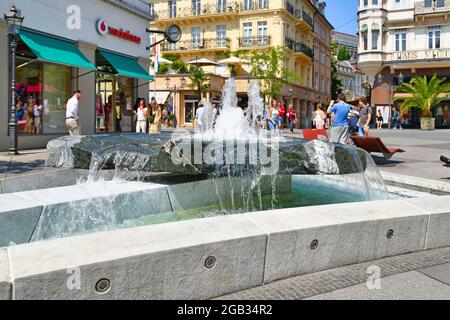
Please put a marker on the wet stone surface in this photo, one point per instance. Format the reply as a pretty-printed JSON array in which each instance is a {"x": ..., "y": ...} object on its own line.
[{"x": 190, "y": 156}]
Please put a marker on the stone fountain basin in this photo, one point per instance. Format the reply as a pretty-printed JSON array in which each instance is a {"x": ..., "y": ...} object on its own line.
[
  {"x": 141, "y": 152},
  {"x": 168, "y": 261}
]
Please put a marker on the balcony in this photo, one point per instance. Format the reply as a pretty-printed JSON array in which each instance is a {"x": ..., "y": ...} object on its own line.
[
  {"x": 202, "y": 10},
  {"x": 259, "y": 41},
  {"x": 299, "y": 47},
  {"x": 198, "y": 11},
  {"x": 432, "y": 6},
  {"x": 193, "y": 45},
  {"x": 304, "y": 18}
]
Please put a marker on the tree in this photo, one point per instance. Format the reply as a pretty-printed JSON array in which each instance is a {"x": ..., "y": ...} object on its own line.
[
  {"x": 343, "y": 54},
  {"x": 424, "y": 94},
  {"x": 177, "y": 64},
  {"x": 199, "y": 81},
  {"x": 269, "y": 67},
  {"x": 336, "y": 82}
]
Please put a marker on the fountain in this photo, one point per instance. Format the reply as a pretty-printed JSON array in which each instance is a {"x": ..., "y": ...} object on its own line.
[{"x": 182, "y": 216}]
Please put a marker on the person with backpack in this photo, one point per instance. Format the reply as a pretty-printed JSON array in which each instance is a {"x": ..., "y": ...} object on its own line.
[{"x": 339, "y": 111}]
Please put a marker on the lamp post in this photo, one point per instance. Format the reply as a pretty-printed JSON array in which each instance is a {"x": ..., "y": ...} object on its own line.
[{"x": 14, "y": 21}]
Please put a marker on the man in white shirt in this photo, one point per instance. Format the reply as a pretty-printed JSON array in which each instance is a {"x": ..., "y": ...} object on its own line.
[
  {"x": 199, "y": 116},
  {"x": 72, "y": 117}
]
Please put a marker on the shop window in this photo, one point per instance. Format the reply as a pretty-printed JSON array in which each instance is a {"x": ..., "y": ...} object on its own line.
[
  {"x": 57, "y": 90},
  {"x": 28, "y": 95},
  {"x": 42, "y": 91}
]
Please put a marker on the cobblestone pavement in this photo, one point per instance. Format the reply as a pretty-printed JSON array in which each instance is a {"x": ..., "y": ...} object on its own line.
[{"x": 316, "y": 284}]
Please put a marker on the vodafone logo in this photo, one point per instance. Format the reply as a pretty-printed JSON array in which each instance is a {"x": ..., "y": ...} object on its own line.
[{"x": 102, "y": 27}]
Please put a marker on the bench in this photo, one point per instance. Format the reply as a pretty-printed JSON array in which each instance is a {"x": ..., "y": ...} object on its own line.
[
  {"x": 446, "y": 161},
  {"x": 374, "y": 144},
  {"x": 313, "y": 134}
]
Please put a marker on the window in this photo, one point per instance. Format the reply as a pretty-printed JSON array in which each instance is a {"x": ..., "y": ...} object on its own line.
[
  {"x": 375, "y": 36},
  {"x": 263, "y": 4},
  {"x": 434, "y": 37},
  {"x": 222, "y": 36},
  {"x": 248, "y": 5},
  {"x": 365, "y": 41},
  {"x": 248, "y": 31},
  {"x": 221, "y": 5},
  {"x": 400, "y": 40},
  {"x": 172, "y": 9},
  {"x": 196, "y": 7},
  {"x": 262, "y": 33},
  {"x": 151, "y": 8},
  {"x": 196, "y": 38}
]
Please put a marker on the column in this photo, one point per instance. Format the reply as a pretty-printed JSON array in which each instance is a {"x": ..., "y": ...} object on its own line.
[
  {"x": 86, "y": 83},
  {"x": 297, "y": 108}
]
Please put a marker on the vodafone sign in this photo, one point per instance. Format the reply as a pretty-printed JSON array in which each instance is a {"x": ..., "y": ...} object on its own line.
[{"x": 103, "y": 29}]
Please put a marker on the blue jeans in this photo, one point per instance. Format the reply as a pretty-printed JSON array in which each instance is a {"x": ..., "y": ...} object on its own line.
[
  {"x": 273, "y": 127},
  {"x": 361, "y": 132}
]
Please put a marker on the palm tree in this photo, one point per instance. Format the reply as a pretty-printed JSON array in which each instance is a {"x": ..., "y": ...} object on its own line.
[
  {"x": 198, "y": 81},
  {"x": 424, "y": 94}
]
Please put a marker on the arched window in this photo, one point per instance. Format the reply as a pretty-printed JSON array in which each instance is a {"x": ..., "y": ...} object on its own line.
[
  {"x": 364, "y": 37},
  {"x": 375, "y": 35}
]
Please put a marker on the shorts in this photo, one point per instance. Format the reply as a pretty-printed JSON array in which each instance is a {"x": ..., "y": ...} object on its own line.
[
  {"x": 282, "y": 120},
  {"x": 339, "y": 134}
]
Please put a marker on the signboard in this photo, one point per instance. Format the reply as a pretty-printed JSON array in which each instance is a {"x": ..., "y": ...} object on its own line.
[
  {"x": 385, "y": 113},
  {"x": 421, "y": 55},
  {"x": 103, "y": 29}
]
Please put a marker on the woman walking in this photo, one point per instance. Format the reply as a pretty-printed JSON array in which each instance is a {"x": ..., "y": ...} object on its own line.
[
  {"x": 319, "y": 117},
  {"x": 291, "y": 116},
  {"x": 274, "y": 118},
  {"x": 380, "y": 120},
  {"x": 156, "y": 116}
]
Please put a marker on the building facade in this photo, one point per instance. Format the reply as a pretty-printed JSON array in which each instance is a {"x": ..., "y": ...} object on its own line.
[
  {"x": 352, "y": 80},
  {"x": 402, "y": 39},
  {"x": 98, "y": 47},
  {"x": 348, "y": 41},
  {"x": 213, "y": 28}
]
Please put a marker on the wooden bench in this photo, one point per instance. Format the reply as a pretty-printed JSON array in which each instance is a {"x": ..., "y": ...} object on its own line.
[
  {"x": 313, "y": 134},
  {"x": 374, "y": 144}
]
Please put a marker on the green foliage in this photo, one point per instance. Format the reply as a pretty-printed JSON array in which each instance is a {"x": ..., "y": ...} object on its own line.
[
  {"x": 336, "y": 82},
  {"x": 178, "y": 64},
  {"x": 199, "y": 81},
  {"x": 343, "y": 54},
  {"x": 269, "y": 66},
  {"x": 424, "y": 94}
]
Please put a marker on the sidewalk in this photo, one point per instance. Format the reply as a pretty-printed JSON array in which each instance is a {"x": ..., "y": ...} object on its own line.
[{"x": 416, "y": 276}]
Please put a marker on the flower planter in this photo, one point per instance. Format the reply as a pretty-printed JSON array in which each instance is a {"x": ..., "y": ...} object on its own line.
[{"x": 428, "y": 124}]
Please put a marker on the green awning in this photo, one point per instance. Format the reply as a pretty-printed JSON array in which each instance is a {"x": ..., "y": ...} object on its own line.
[
  {"x": 126, "y": 66},
  {"x": 54, "y": 50}
]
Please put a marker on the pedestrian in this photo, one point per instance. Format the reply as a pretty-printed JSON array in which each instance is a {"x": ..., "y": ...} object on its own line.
[
  {"x": 274, "y": 119},
  {"x": 339, "y": 111},
  {"x": 380, "y": 120},
  {"x": 282, "y": 111},
  {"x": 72, "y": 117},
  {"x": 155, "y": 126},
  {"x": 291, "y": 116},
  {"x": 37, "y": 116},
  {"x": 365, "y": 117},
  {"x": 396, "y": 119},
  {"x": 319, "y": 117},
  {"x": 199, "y": 116},
  {"x": 141, "y": 123}
]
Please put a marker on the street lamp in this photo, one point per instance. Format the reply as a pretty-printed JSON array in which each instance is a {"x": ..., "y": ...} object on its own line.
[
  {"x": 183, "y": 81},
  {"x": 167, "y": 82},
  {"x": 401, "y": 78},
  {"x": 14, "y": 21}
]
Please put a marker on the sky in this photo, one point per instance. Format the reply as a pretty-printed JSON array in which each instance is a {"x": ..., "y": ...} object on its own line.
[{"x": 343, "y": 15}]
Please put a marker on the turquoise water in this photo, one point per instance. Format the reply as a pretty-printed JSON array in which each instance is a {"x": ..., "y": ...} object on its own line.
[{"x": 304, "y": 192}]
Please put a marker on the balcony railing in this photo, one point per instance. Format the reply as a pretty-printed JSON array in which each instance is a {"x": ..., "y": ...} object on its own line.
[
  {"x": 215, "y": 43},
  {"x": 209, "y": 9},
  {"x": 258, "y": 41},
  {"x": 432, "y": 6},
  {"x": 299, "y": 47}
]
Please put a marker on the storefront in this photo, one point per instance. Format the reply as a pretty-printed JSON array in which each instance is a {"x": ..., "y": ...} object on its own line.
[{"x": 103, "y": 55}]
